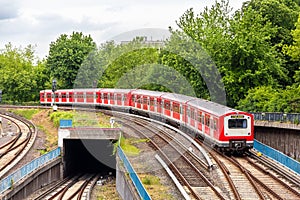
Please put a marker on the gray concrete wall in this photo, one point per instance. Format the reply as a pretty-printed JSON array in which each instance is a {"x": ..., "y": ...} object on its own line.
[
  {"x": 285, "y": 140},
  {"x": 36, "y": 180},
  {"x": 124, "y": 185}
]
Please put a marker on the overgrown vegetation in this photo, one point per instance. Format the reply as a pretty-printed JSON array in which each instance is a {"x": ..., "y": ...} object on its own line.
[
  {"x": 26, "y": 113},
  {"x": 127, "y": 145},
  {"x": 154, "y": 187},
  {"x": 81, "y": 119}
]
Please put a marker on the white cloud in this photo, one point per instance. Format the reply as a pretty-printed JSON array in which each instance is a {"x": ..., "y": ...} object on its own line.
[{"x": 40, "y": 22}]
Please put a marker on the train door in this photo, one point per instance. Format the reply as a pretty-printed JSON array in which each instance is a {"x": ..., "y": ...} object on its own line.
[
  {"x": 102, "y": 98},
  {"x": 171, "y": 109},
  {"x": 200, "y": 121},
  {"x": 188, "y": 115},
  {"x": 123, "y": 99},
  {"x": 181, "y": 112},
  {"x": 207, "y": 124},
  {"x": 115, "y": 99},
  {"x": 155, "y": 104},
  {"x": 211, "y": 131},
  {"x": 162, "y": 107},
  {"x": 108, "y": 98}
]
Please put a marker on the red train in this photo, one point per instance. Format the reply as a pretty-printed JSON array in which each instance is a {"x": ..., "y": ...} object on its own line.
[{"x": 225, "y": 128}]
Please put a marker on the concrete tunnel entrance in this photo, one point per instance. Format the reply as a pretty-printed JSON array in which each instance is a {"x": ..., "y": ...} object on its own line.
[{"x": 88, "y": 156}]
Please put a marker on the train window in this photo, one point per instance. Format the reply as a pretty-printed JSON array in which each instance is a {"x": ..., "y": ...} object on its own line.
[
  {"x": 237, "y": 123},
  {"x": 151, "y": 102},
  {"x": 192, "y": 114},
  {"x": 167, "y": 106},
  {"x": 215, "y": 124},
  {"x": 138, "y": 99},
  {"x": 207, "y": 120},
  {"x": 104, "y": 96},
  {"x": 145, "y": 100},
  {"x": 176, "y": 108},
  {"x": 180, "y": 109},
  {"x": 199, "y": 117}
]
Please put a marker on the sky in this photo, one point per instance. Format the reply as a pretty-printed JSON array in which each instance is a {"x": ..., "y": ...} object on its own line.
[{"x": 40, "y": 22}]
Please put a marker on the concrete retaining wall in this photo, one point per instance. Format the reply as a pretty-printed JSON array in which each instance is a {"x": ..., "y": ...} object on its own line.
[
  {"x": 284, "y": 140},
  {"x": 124, "y": 186},
  {"x": 38, "y": 179}
]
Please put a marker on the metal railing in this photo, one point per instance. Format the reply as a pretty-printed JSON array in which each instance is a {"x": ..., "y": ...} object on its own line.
[
  {"x": 277, "y": 117},
  {"x": 9, "y": 181}
]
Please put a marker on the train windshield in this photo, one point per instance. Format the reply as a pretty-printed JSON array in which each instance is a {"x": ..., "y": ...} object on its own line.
[{"x": 237, "y": 123}]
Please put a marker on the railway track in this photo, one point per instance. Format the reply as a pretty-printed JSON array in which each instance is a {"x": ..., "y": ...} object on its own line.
[
  {"x": 244, "y": 176},
  {"x": 16, "y": 148},
  {"x": 236, "y": 181},
  {"x": 77, "y": 187},
  {"x": 190, "y": 170},
  {"x": 249, "y": 178}
]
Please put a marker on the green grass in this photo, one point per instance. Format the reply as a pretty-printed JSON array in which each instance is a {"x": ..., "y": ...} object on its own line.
[
  {"x": 26, "y": 113},
  {"x": 81, "y": 119},
  {"x": 154, "y": 187},
  {"x": 128, "y": 145},
  {"x": 58, "y": 115},
  {"x": 150, "y": 180}
]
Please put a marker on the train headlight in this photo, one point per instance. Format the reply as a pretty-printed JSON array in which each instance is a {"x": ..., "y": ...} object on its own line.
[{"x": 249, "y": 133}]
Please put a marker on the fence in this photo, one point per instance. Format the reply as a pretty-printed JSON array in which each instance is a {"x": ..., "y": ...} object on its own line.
[
  {"x": 281, "y": 117},
  {"x": 13, "y": 178},
  {"x": 135, "y": 179},
  {"x": 278, "y": 156}
]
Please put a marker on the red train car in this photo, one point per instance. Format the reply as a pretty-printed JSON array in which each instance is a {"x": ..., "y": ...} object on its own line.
[
  {"x": 227, "y": 129},
  {"x": 147, "y": 101}
]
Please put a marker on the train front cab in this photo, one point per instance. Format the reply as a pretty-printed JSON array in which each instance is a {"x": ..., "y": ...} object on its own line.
[{"x": 238, "y": 132}]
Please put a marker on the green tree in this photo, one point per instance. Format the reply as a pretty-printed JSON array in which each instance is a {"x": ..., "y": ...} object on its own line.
[
  {"x": 125, "y": 62},
  {"x": 19, "y": 76},
  {"x": 282, "y": 14},
  {"x": 293, "y": 50},
  {"x": 66, "y": 55},
  {"x": 239, "y": 44},
  {"x": 258, "y": 99}
]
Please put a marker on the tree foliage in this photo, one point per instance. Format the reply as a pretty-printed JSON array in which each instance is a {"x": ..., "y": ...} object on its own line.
[
  {"x": 268, "y": 99},
  {"x": 66, "y": 55},
  {"x": 20, "y": 79},
  {"x": 240, "y": 45}
]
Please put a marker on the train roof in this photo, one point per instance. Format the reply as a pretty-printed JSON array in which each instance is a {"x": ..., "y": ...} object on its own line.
[
  {"x": 115, "y": 90},
  {"x": 211, "y": 107},
  {"x": 148, "y": 93},
  {"x": 178, "y": 97}
]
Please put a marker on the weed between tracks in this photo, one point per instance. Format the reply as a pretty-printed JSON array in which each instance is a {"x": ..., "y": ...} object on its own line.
[{"x": 154, "y": 187}]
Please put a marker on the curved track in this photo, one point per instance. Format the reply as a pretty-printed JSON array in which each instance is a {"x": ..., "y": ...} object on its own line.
[{"x": 14, "y": 150}]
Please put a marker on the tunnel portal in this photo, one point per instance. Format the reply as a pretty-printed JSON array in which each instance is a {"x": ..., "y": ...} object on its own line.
[{"x": 88, "y": 156}]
